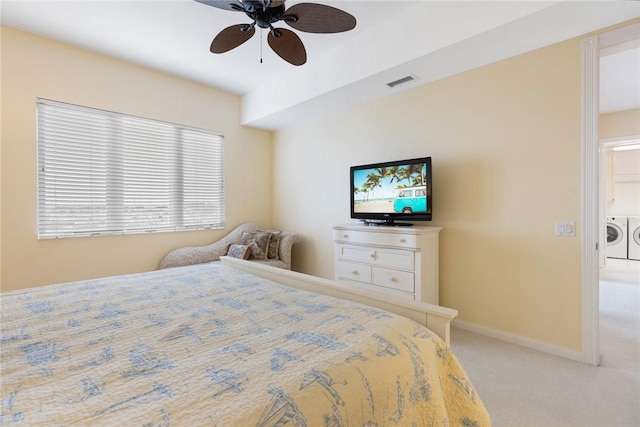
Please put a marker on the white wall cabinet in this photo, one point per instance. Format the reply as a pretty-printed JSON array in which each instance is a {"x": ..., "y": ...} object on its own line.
[{"x": 400, "y": 261}]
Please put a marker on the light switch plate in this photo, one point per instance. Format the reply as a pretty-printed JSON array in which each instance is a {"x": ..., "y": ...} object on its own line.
[{"x": 565, "y": 228}]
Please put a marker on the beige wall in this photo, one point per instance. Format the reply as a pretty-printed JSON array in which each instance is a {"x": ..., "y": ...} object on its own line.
[
  {"x": 34, "y": 67},
  {"x": 623, "y": 186},
  {"x": 618, "y": 124},
  {"x": 505, "y": 142}
]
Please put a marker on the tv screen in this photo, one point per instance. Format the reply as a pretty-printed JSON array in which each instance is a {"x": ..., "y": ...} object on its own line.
[{"x": 383, "y": 193}]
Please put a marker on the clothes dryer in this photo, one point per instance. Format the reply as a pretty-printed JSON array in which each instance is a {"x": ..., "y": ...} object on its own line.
[
  {"x": 633, "y": 237},
  {"x": 617, "y": 237}
]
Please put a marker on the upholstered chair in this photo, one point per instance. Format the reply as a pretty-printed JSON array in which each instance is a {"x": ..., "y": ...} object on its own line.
[{"x": 212, "y": 252}]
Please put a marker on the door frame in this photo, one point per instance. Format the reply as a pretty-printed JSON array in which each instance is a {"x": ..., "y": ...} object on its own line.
[
  {"x": 590, "y": 202},
  {"x": 591, "y": 227}
]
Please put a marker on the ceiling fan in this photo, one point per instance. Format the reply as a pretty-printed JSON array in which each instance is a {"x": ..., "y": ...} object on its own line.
[{"x": 307, "y": 17}]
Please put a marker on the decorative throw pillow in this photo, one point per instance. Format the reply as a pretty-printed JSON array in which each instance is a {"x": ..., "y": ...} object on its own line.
[
  {"x": 261, "y": 240},
  {"x": 274, "y": 243},
  {"x": 239, "y": 251}
]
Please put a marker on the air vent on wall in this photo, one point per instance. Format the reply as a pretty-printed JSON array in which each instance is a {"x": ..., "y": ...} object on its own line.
[{"x": 401, "y": 81}]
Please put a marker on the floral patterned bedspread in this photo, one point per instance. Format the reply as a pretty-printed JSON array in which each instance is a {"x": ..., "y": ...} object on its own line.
[{"x": 210, "y": 345}]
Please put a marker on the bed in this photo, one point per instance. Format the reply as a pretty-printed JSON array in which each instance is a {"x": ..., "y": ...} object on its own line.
[{"x": 228, "y": 343}]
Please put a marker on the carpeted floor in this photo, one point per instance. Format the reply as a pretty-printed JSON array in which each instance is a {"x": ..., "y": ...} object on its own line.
[{"x": 527, "y": 388}]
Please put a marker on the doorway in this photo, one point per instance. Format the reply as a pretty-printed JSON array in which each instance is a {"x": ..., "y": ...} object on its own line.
[
  {"x": 619, "y": 189},
  {"x": 619, "y": 277},
  {"x": 593, "y": 217}
]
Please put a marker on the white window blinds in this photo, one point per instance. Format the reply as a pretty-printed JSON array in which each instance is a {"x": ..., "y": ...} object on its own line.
[{"x": 101, "y": 172}]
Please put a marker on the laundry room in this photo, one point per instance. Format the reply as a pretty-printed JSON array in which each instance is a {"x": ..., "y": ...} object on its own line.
[
  {"x": 623, "y": 201},
  {"x": 620, "y": 173}
]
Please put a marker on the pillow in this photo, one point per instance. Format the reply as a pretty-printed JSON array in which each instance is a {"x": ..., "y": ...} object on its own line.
[
  {"x": 239, "y": 251},
  {"x": 261, "y": 246},
  {"x": 274, "y": 243}
]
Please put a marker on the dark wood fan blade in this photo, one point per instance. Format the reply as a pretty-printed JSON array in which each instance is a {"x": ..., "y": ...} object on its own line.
[
  {"x": 319, "y": 18},
  {"x": 231, "y": 37},
  {"x": 288, "y": 46},
  {"x": 224, "y": 4},
  {"x": 276, "y": 3}
]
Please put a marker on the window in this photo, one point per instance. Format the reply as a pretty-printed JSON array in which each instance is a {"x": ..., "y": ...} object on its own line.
[{"x": 102, "y": 173}]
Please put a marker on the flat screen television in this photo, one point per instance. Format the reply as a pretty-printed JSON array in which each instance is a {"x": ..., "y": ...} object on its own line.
[{"x": 387, "y": 192}]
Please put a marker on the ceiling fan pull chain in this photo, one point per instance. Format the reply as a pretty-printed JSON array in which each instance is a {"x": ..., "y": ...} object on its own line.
[{"x": 261, "y": 46}]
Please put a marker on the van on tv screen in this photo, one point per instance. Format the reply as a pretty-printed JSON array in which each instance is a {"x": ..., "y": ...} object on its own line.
[{"x": 392, "y": 190}]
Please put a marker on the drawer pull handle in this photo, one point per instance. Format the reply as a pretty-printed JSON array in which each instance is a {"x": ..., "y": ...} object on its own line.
[
  {"x": 354, "y": 272},
  {"x": 403, "y": 241},
  {"x": 391, "y": 278},
  {"x": 373, "y": 255},
  {"x": 345, "y": 236}
]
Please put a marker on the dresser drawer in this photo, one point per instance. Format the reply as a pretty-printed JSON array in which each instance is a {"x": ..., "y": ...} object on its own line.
[
  {"x": 393, "y": 279},
  {"x": 392, "y": 292},
  {"x": 353, "y": 271},
  {"x": 376, "y": 238},
  {"x": 395, "y": 258}
]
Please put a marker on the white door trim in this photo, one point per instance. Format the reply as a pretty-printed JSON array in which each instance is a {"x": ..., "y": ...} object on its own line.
[{"x": 590, "y": 202}]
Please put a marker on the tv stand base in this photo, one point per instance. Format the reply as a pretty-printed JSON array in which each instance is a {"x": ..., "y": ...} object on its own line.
[{"x": 386, "y": 223}]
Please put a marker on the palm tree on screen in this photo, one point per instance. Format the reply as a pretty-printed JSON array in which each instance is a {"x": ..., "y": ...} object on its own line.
[{"x": 374, "y": 181}]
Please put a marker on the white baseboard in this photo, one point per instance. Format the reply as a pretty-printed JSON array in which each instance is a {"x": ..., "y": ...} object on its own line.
[{"x": 519, "y": 340}]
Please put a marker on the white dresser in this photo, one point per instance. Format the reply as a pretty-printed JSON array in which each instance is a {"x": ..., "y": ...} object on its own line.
[{"x": 400, "y": 261}]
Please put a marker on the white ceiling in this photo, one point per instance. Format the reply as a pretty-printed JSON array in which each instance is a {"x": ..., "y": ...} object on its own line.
[{"x": 393, "y": 39}]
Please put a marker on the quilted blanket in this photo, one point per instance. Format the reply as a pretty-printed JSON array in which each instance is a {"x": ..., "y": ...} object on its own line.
[{"x": 210, "y": 345}]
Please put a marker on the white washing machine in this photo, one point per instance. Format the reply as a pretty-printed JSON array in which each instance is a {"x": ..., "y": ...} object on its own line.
[
  {"x": 616, "y": 237},
  {"x": 634, "y": 237}
]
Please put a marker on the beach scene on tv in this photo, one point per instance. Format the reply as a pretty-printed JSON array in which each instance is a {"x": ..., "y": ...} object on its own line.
[{"x": 395, "y": 189}]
